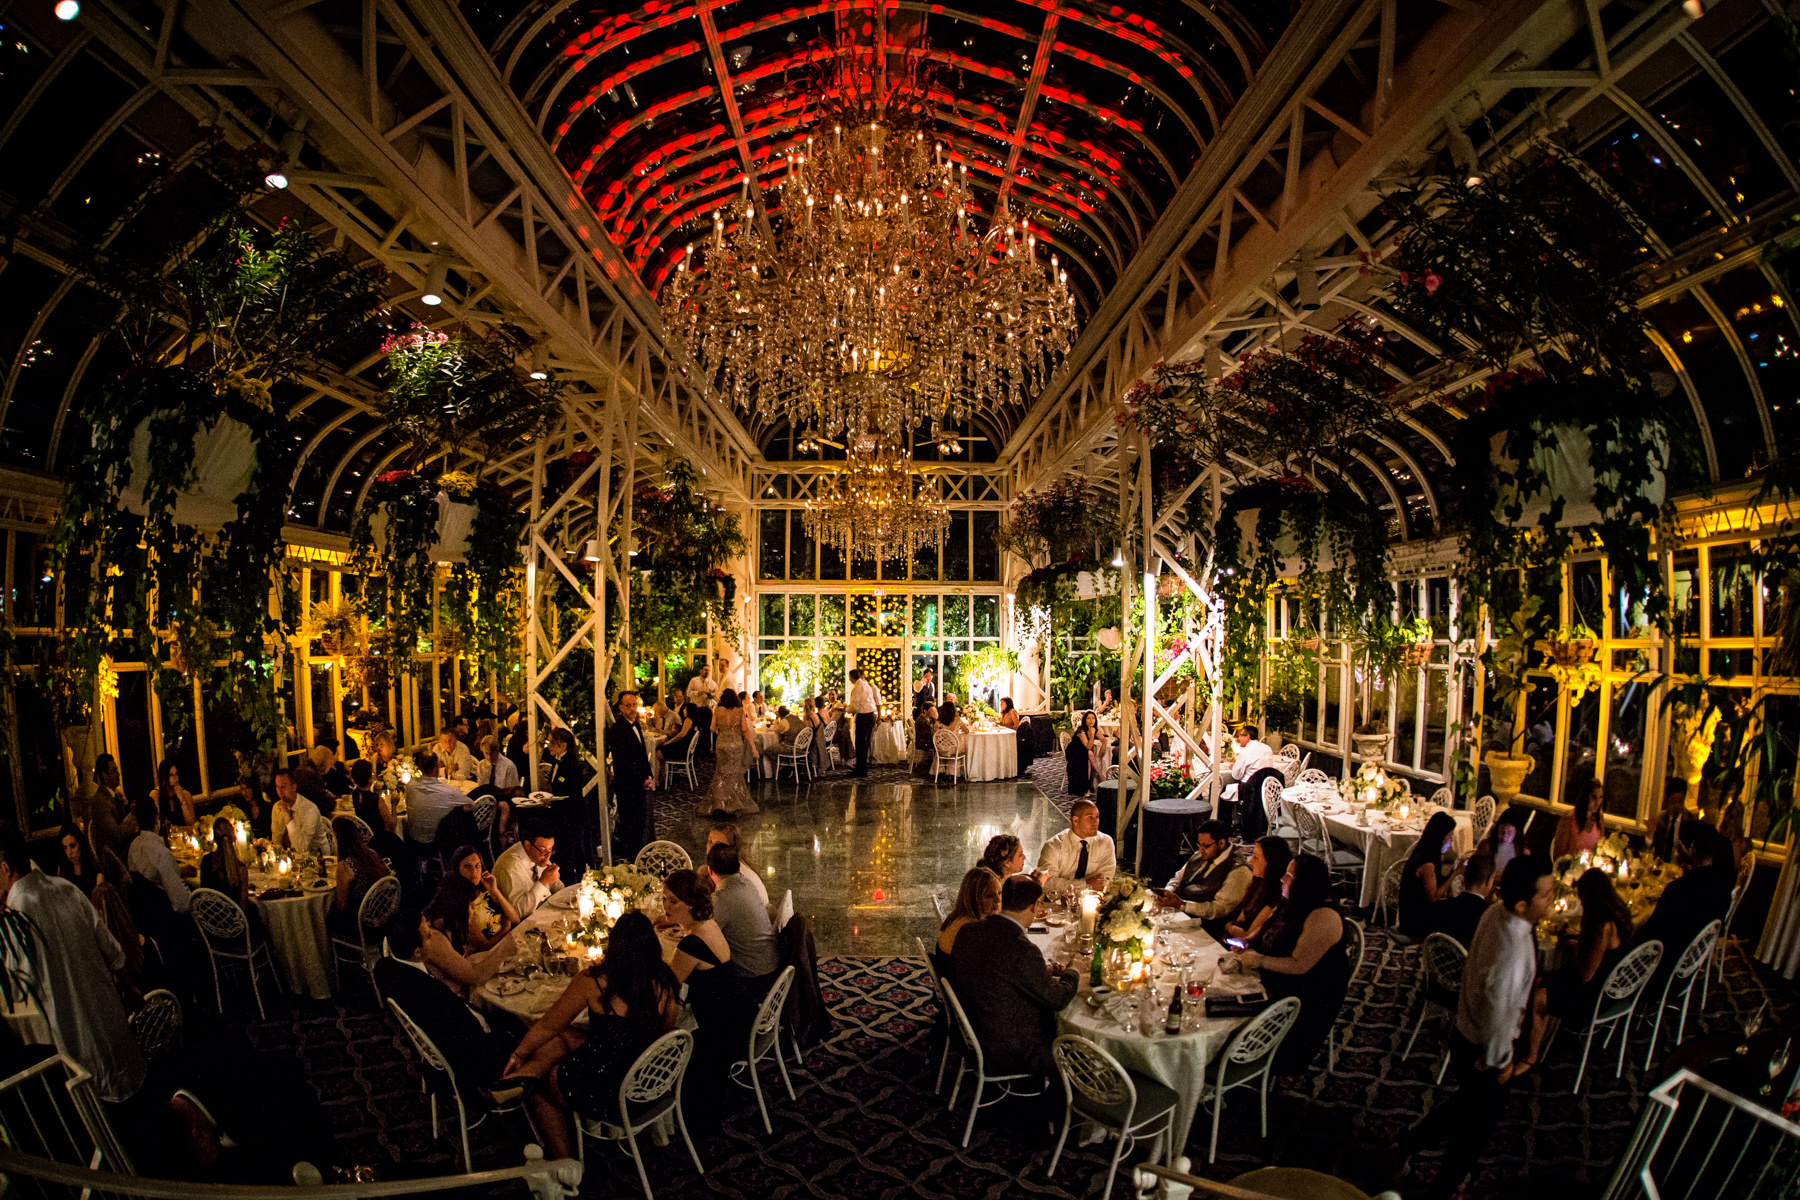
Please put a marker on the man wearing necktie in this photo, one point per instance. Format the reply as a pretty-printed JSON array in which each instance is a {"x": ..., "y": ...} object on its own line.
[
  {"x": 631, "y": 771},
  {"x": 1080, "y": 856},
  {"x": 864, "y": 701}
]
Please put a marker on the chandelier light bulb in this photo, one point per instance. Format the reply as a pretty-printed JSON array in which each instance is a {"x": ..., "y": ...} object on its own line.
[{"x": 67, "y": 10}]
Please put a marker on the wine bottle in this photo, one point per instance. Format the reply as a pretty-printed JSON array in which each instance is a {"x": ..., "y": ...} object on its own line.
[
  {"x": 1095, "y": 975},
  {"x": 1172, "y": 1023}
]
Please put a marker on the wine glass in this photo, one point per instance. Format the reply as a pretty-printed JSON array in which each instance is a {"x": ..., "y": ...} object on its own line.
[
  {"x": 1751, "y": 1025},
  {"x": 1777, "y": 1063}
]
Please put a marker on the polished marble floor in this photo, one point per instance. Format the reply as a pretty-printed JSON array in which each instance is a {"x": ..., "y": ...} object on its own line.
[{"x": 863, "y": 857}]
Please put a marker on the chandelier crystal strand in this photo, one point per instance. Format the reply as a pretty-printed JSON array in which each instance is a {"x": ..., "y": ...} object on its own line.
[
  {"x": 878, "y": 507},
  {"x": 879, "y": 307}
]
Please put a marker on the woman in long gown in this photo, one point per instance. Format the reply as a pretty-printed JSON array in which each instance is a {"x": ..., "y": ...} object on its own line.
[
  {"x": 1083, "y": 757},
  {"x": 734, "y": 751}
]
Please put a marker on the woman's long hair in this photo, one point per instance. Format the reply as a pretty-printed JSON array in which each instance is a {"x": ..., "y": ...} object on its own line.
[
  {"x": 1000, "y": 847},
  {"x": 90, "y": 866},
  {"x": 353, "y": 847},
  {"x": 693, "y": 891},
  {"x": 1595, "y": 890},
  {"x": 450, "y": 905},
  {"x": 224, "y": 856},
  {"x": 1583, "y": 800},
  {"x": 1087, "y": 716},
  {"x": 1265, "y": 892},
  {"x": 633, "y": 970},
  {"x": 1430, "y": 846},
  {"x": 1309, "y": 891},
  {"x": 979, "y": 885}
]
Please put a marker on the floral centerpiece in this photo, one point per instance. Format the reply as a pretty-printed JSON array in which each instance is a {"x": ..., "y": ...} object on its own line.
[
  {"x": 1123, "y": 933},
  {"x": 1373, "y": 786},
  {"x": 1170, "y": 779}
]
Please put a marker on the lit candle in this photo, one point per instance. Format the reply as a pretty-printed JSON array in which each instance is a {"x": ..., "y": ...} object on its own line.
[
  {"x": 584, "y": 903},
  {"x": 593, "y": 952},
  {"x": 615, "y": 909},
  {"x": 281, "y": 866},
  {"x": 1090, "y": 912},
  {"x": 1137, "y": 974},
  {"x": 1624, "y": 869}
]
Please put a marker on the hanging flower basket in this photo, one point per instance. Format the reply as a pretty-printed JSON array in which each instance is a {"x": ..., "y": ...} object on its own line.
[
  {"x": 1572, "y": 654},
  {"x": 223, "y": 460},
  {"x": 450, "y": 544},
  {"x": 1416, "y": 655}
]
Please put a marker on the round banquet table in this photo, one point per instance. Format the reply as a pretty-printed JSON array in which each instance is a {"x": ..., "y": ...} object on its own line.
[
  {"x": 530, "y": 997},
  {"x": 767, "y": 739},
  {"x": 298, "y": 940},
  {"x": 993, "y": 754},
  {"x": 1381, "y": 842},
  {"x": 890, "y": 742},
  {"x": 1178, "y": 1060}
]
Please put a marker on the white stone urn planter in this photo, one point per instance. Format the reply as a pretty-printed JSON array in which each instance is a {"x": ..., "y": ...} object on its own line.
[{"x": 455, "y": 519}]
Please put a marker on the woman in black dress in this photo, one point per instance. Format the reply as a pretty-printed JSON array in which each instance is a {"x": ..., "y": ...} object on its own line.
[
  {"x": 630, "y": 999},
  {"x": 676, "y": 748},
  {"x": 1080, "y": 756},
  {"x": 1422, "y": 883},
  {"x": 722, "y": 1007},
  {"x": 76, "y": 862},
  {"x": 1301, "y": 952}
]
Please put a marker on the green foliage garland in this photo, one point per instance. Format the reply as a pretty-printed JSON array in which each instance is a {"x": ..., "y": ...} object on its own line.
[{"x": 684, "y": 542}]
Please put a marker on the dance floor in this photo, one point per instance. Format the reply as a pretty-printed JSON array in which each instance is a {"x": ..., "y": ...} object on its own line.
[{"x": 862, "y": 858}]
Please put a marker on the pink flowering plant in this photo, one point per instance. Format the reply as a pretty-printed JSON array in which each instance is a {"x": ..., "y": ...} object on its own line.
[
  {"x": 1068, "y": 521},
  {"x": 1170, "y": 779}
]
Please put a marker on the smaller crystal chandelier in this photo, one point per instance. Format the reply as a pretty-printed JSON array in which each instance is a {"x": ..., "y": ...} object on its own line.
[{"x": 877, "y": 507}]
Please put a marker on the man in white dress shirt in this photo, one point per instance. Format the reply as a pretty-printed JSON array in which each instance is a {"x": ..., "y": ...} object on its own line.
[
  {"x": 495, "y": 770},
  {"x": 150, "y": 860},
  {"x": 429, "y": 800},
  {"x": 524, "y": 871},
  {"x": 703, "y": 688},
  {"x": 297, "y": 825},
  {"x": 79, "y": 971},
  {"x": 1252, "y": 756},
  {"x": 1080, "y": 856},
  {"x": 865, "y": 701},
  {"x": 454, "y": 759}
]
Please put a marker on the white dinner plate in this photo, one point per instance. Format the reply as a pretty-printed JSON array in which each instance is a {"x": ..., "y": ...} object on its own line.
[{"x": 508, "y": 987}]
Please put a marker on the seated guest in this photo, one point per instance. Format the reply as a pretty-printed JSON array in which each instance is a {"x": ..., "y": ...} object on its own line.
[
  {"x": 1003, "y": 987},
  {"x": 473, "y": 1051},
  {"x": 428, "y": 800},
  {"x": 517, "y": 752},
  {"x": 1213, "y": 883},
  {"x": 495, "y": 770},
  {"x": 725, "y": 833},
  {"x": 1582, "y": 827},
  {"x": 721, "y": 1006},
  {"x": 757, "y": 706},
  {"x": 1009, "y": 716},
  {"x": 491, "y": 915},
  {"x": 330, "y": 768},
  {"x": 454, "y": 760},
  {"x": 359, "y": 868},
  {"x": 108, "y": 818},
  {"x": 1004, "y": 856},
  {"x": 1301, "y": 952},
  {"x": 257, "y": 807},
  {"x": 924, "y": 726},
  {"x": 76, "y": 862},
  {"x": 81, "y": 981},
  {"x": 631, "y": 998},
  {"x": 675, "y": 749},
  {"x": 1080, "y": 856},
  {"x": 150, "y": 861},
  {"x": 1665, "y": 831},
  {"x": 978, "y": 897},
  {"x": 297, "y": 824},
  {"x": 1269, "y": 858},
  {"x": 742, "y": 912},
  {"x": 1424, "y": 881},
  {"x": 1691, "y": 903},
  {"x": 174, "y": 803},
  {"x": 1506, "y": 840},
  {"x": 1253, "y": 755},
  {"x": 222, "y": 870},
  {"x": 438, "y": 953},
  {"x": 373, "y": 808},
  {"x": 1107, "y": 704},
  {"x": 787, "y": 728},
  {"x": 310, "y": 784},
  {"x": 1731, "y": 828},
  {"x": 524, "y": 871},
  {"x": 1460, "y": 914},
  {"x": 1571, "y": 993}
]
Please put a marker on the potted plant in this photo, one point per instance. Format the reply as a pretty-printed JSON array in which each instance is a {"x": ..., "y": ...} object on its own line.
[
  {"x": 1069, "y": 521},
  {"x": 1415, "y": 639},
  {"x": 1507, "y": 659}
]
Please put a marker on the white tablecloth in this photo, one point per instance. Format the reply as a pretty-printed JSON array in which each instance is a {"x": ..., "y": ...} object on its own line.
[
  {"x": 993, "y": 755},
  {"x": 1178, "y": 1060},
  {"x": 529, "y": 999},
  {"x": 766, "y": 742},
  {"x": 1381, "y": 845},
  {"x": 890, "y": 742},
  {"x": 299, "y": 942}
]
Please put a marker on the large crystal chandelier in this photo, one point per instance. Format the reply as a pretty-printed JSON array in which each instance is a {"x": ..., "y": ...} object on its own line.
[
  {"x": 886, "y": 301},
  {"x": 877, "y": 507}
]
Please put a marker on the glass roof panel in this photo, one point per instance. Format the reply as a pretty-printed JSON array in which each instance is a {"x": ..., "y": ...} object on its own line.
[{"x": 1718, "y": 375}]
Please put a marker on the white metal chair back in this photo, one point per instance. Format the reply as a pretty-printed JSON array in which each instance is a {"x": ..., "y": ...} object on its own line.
[
  {"x": 1289, "y": 753},
  {"x": 765, "y": 1035},
  {"x": 803, "y": 740},
  {"x": 1355, "y": 944},
  {"x": 1248, "y": 1059},
  {"x": 1618, "y": 1000},
  {"x": 972, "y": 1058},
  {"x": 482, "y": 811},
  {"x": 219, "y": 918},
  {"x": 685, "y": 764},
  {"x": 1387, "y": 897},
  {"x": 1678, "y": 988},
  {"x": 50, "y": 1111},
  {"x": 1443, "y": 798},
  {"x": 1271, "y": 802},
  {"x": 379, "y": 904},
  {"x": 1093, "y": 1073},
  {"x": 798, "y": 755},
  {"x": 362, "y": 826},
  {"x": 1481, "y": 817},
  {"x": 937, "y": 906},
  {"x": 948, "y": 755},
  {"x": 1718, "y": 963},
  {"x": 937, "y": 990},
  {"x": 157, "y": 1025},
  {"x": 1311, "y": 776},
  {"x": 1441, "y": 962},
  {"x": 653, "y": 1087},
  {"x": 662, "y": 859},
  {"x": 1310, "y": 826},
  {"x": 434, "y": 1059},
  {"x": 828, "y": 743}
]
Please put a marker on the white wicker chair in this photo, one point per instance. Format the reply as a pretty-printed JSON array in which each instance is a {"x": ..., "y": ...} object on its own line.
[
  {"x": 1312, "y": 775},
  {"x": 1287, "y": 761},
  {"x": 1717, "y": 965},
  {"x": 1316, "y": 841},
  {"x": 937, "y": 988},
  {"x": 483, "y": 810},
  {"x": 796, "y": 755},
  {"x": 1481, "y": 817},
  {"x": 828, "y": 746},
  {"x": 1441, "y": 961},
  {"x": 1678, "y": 988},
  {"x": 437, "y": 1069},
  {"x": 379, "y": 904},
  {"x": 972, "y": 1061},
  {"x": 1618, "y": 999},
  {"x": 1443, "y": 798},
  {"x": 1387, "y": 901},
  {"x": 157, "y": 1024},
  {"x": 948, "y": 754},
  {"x": 223, "y": 928},
  {"x": 648, "y": 1092},
  {"x": 1248, "y": 1060},
  {"x": 684, "y": 764},
  {"x": 765, "y": 1038},
  {"x": 662, "y": 859},
  {"x": 1275, "y": 810},
  {"x": 1119, "y": 1101}
]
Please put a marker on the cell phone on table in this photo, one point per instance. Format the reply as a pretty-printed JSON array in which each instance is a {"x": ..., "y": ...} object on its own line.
[{"x": 1237, "y": 943}]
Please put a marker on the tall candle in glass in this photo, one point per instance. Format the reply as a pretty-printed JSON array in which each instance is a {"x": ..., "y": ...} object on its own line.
[{"x": 1090, "y": 913}]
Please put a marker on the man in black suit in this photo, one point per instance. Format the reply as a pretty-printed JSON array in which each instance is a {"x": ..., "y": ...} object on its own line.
[
  {"x": 1701, "y": 896},
  {"x": 476, "y": 1054},
  {"x": 1001, "y": 980},
  {"x": 568, "y": 782},
  {"x": 1459, "y": 915},
  {"x": 630, "y": 774}
]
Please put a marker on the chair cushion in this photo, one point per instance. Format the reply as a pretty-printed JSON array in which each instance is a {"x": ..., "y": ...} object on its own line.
[
  {"x": 1341, "y": 857},
  {"x": 1153, "y": 1099}
]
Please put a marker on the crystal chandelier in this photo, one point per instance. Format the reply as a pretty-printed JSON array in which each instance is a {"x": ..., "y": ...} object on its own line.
[
  {"x": 880, "y": 306},
  {"x": 877, "y": 508}
]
